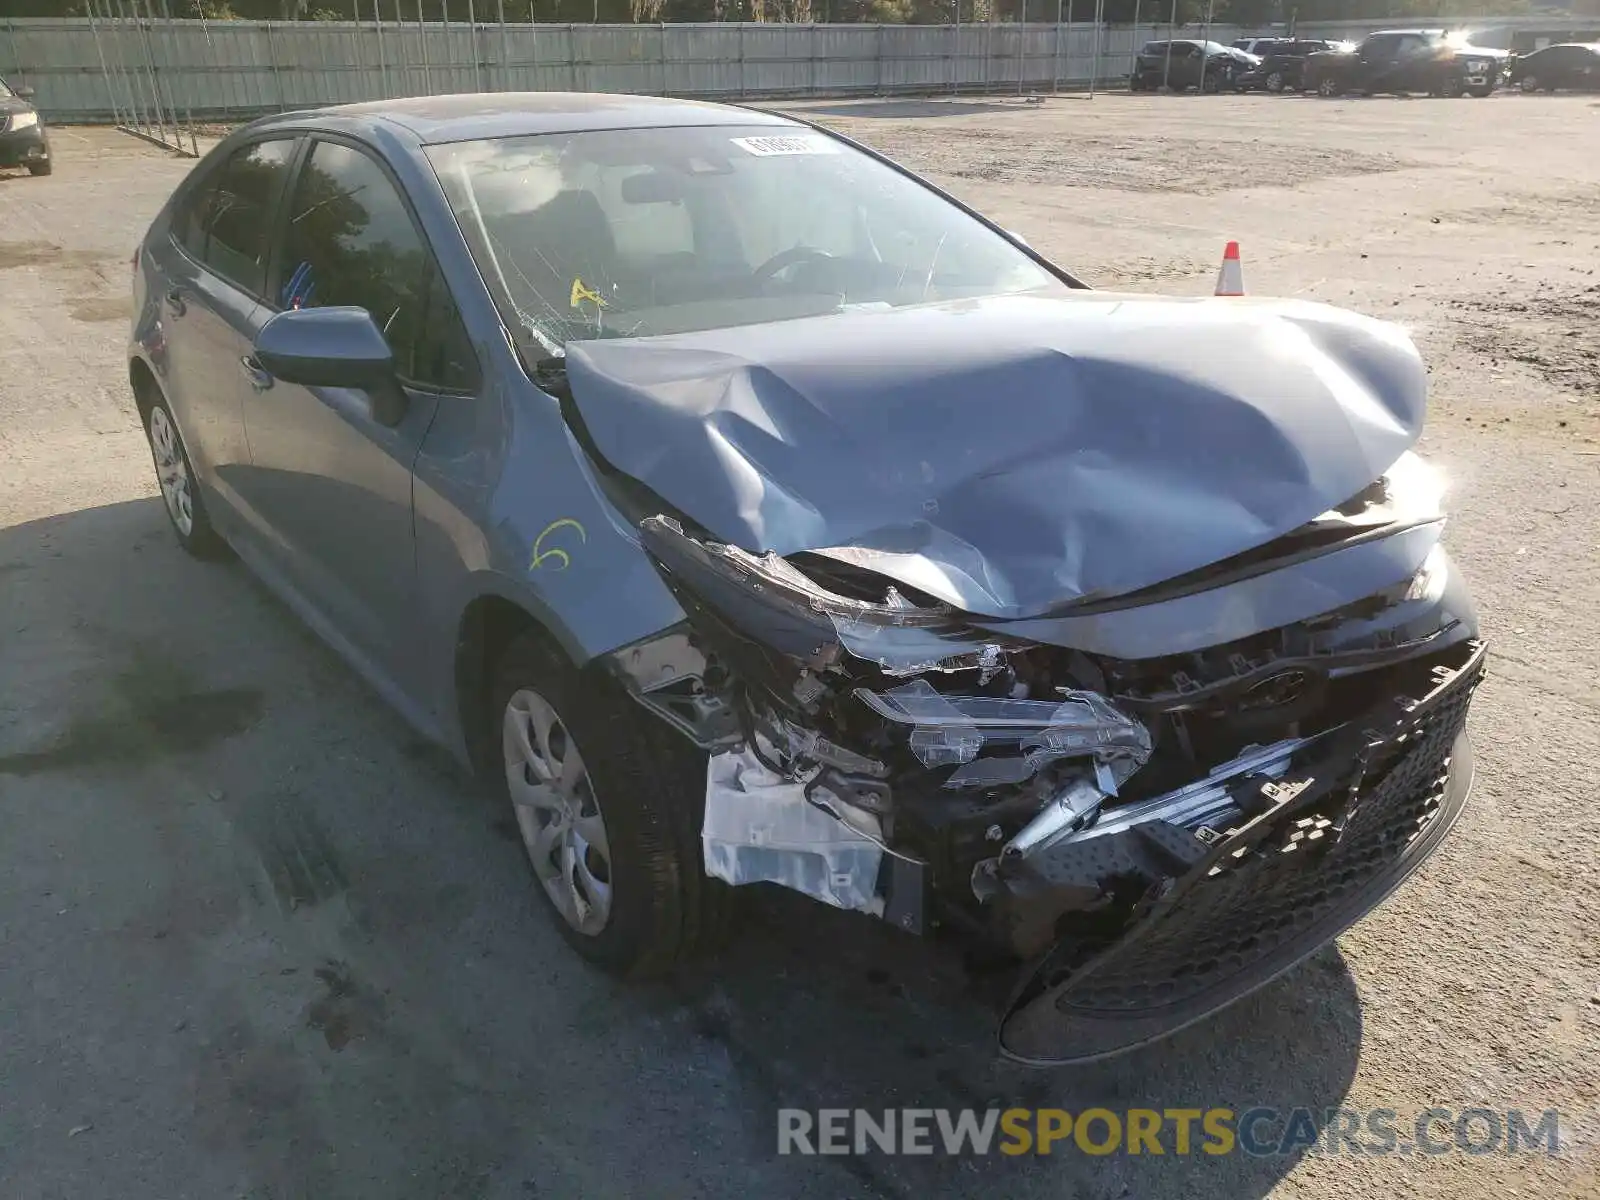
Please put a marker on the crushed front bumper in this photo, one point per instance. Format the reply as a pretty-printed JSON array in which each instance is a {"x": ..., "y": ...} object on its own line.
[
  {"x": 1231, "y": 899},
  {"x": 20, "y": 147}
]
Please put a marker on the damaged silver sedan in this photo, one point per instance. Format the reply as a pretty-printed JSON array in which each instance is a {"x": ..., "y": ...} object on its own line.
[{"x": 750, "y": 511}]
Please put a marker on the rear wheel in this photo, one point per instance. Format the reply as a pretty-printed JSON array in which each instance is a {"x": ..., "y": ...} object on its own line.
[
  {"x": 608, "y": 802},
  {"x": 180, "y": 490},
  {"x": 41, "y": 168},
  {"x": 1274, "y": 81},
  {"x": 1479, "y": 93},
  {"x": 1328, "y": 87}
]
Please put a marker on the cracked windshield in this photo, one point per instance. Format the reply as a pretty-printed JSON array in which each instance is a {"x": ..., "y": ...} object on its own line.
[{"x": 634, "y": 232}]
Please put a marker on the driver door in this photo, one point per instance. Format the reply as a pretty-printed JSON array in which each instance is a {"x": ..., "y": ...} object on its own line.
[{"x": 332, "y": 482}]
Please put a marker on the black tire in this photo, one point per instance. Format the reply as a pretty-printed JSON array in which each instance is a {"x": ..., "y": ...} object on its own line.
[
  {"x": 1530, "y": 83},
  {"x": 200, "y": 539},
  {"x": 41, "y": 168},
  {"x": 1480, "y": 93},
  {"x": 649, "y": 784},
  {"x": 1274, "y": 82},
  {"x": 1328, "y": 87}
]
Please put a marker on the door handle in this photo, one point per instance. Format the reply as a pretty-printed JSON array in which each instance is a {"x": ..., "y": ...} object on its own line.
[
  {"x": 175, "y": 302},
  {"x": 260, "y": 378}
]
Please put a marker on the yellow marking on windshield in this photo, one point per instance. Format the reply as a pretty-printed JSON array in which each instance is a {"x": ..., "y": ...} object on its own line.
[{"x": 581, "y": 292}]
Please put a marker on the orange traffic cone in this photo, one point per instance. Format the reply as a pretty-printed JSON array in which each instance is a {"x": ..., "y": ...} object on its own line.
[{"x": 1230, "y": 280}]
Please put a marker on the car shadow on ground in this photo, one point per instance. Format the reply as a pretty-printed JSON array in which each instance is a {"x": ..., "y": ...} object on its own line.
[{"x": 804, "y": 1008}]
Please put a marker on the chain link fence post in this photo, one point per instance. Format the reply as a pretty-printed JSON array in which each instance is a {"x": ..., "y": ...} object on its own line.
[{"x": 105, "y": 70}]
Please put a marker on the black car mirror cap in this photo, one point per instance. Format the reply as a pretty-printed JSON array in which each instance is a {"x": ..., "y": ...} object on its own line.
[
  {"x": 337, "y": 346},
  {"x": 23, "y": 92}
]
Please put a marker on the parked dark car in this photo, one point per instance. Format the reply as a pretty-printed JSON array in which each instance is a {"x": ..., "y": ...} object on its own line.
[
  {"x": 1401, "y": 61},
  {"x": 1573, "y": 65},
  {"x": 1183, "y": 64},
  {"x": 23, "y": 140},
  {"x": 744, "y": 509},
  {"x": 1282, "y": 65}
]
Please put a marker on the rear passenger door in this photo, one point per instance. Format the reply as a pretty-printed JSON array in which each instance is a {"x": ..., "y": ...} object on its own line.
[
  {"x": 214, "y": 275},
  {"x": 332, "y": 483}
]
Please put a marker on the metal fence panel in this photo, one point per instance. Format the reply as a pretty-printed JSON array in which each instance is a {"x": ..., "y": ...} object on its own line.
[
  {"x": 153, "y": 72},
  {"x": 706, "y": 60}
]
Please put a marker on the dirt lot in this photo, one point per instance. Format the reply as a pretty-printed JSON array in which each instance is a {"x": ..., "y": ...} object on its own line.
[{"x": 256, "y": 941}]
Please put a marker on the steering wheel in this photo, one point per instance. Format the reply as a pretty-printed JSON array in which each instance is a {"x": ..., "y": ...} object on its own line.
[{"x": 784, "y": 259}]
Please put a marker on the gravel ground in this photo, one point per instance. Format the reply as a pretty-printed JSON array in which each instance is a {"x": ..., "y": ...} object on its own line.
[{"x": 260, "y": 942}]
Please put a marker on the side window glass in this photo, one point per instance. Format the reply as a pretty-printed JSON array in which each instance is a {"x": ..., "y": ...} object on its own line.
[
  {"x": 230, "y": 218},
  {"x": 351, "y": 241}
]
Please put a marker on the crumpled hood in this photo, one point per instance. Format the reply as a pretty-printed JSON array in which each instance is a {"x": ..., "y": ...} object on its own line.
[{"x": 1012, "y": 454}]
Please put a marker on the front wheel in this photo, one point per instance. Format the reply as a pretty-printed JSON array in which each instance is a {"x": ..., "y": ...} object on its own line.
[
  {"x": 608, "y": 802},
  {"x": 1274, "y": 81},
  {"x": 1328, "y": 88},
  {"x": 41, "y": 168},
  {"x": 1480, "y": 93}
]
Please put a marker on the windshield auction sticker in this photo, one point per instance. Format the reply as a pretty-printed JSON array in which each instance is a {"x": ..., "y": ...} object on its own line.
[{"x": 777, "y": 144}]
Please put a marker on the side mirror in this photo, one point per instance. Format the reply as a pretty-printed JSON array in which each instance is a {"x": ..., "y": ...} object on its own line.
[
  {"x": 333, "y": 347},
  {"x": 22, "y": 93}
]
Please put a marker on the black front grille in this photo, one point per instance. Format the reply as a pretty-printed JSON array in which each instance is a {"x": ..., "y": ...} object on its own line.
[{"x": 1257, "y": 907}]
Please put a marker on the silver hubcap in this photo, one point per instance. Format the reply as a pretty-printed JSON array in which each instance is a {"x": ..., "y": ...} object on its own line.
[
  {"x": 170, "y": 469},
  {"x": 560, "y": 820}
]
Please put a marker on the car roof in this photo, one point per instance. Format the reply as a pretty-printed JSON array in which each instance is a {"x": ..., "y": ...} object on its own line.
[{"x": 472, "y": 115}]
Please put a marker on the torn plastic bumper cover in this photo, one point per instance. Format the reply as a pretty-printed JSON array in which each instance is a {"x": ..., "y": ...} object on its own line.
[{"x": 1239, "y": 879}]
